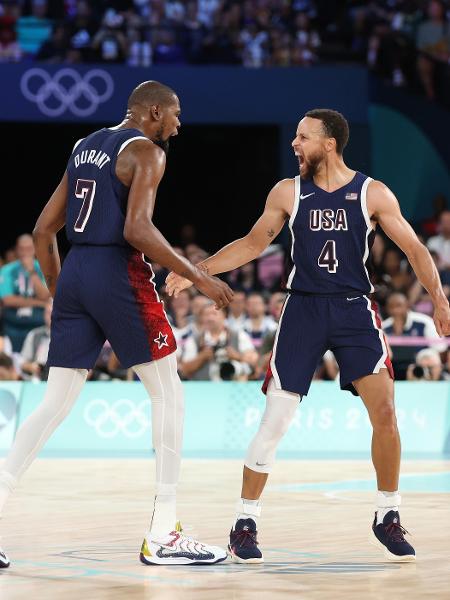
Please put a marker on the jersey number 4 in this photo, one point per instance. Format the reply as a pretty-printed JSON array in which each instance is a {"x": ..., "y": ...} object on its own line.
[
  {"x": 327, "y": 258},
  {"x": 85, "y": 190}
]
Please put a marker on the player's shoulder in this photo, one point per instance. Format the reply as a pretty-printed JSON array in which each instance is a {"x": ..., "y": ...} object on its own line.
[
  {"x": 418, "y": 317},
  {"x": 377, "y": 187},
  {"x": 284, "y": 187}
]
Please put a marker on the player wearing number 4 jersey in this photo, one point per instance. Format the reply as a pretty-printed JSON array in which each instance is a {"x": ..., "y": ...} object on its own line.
[
  {"x": 333, "y": 212},
  {"x": 105, "y": 291}
]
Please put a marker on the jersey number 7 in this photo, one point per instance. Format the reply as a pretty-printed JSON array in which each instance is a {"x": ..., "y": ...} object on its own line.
[{"x": 85, "y": 190}]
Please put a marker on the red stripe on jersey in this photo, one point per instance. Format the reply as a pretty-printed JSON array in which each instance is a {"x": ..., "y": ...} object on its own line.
[
  {"x": 388, "y": 361},
  {"x": 268, "y": 377},
  {"x": 159, "y": 332}
]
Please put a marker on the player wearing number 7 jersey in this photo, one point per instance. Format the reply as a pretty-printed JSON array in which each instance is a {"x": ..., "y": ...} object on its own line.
[
  {"x": 105, "y": 291},
  {"x": 333, "y": 212}
]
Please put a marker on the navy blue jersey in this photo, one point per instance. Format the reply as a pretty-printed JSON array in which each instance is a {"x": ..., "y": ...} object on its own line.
[
  {"x": 97, "y": 199},
  {"x": 331, "y": 239}
]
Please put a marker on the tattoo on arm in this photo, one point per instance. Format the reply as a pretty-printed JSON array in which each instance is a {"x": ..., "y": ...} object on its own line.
[
  {"x": 50, "y": 248},
  {"x": 271, "y": 233},
  {"x": 203, "y": 268}
]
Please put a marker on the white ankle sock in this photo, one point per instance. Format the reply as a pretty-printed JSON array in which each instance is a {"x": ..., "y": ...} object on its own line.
[
  {"x": 386, "y": 501},
  {"x": 165, "y": 511},
  {"x": 247, "y": 509}
]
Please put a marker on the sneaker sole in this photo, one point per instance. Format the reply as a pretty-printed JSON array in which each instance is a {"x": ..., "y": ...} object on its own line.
[
  {"x": 374, "y": 541},
  {"x": 244, "y": 561},
  {"x": 178, "y": 561}
]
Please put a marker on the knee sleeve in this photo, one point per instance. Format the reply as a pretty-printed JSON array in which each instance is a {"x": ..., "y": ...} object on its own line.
[{"x": 278, "y": 415}]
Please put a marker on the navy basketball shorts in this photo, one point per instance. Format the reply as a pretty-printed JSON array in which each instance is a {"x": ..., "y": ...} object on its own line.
[
  {"x": 310, "y": 325},
  {"x": 107, "y": 293}
]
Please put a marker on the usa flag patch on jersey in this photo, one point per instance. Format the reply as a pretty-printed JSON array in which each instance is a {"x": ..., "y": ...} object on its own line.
[{"x": 351, "y": 196}]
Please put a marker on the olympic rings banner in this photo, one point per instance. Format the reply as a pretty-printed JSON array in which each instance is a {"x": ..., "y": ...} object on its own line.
[
  {"x": 114, "y": 419},
  {"x": 98, "y": 93}
]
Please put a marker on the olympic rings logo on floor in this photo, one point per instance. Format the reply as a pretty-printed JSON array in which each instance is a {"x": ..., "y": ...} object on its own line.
[
  {"x": 120, "y": 417},
  {"x": 67, "y": 89}
]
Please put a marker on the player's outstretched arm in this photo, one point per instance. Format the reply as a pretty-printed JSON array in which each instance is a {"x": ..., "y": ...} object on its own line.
[
  {"x": 384, "y": 207},
  {"x": 142, "y": 168},
  {"x": 277, "y": 209},
  {"x": 50, "y": 221}
]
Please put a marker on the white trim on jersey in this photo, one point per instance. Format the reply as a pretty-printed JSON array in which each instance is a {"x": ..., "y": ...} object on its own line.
[
  {"x": 154, "y": 288},
  {"x": 381, "y": 363},
  {"x": 149, "y": 264},
  {"x": 291, "y": 224},
  {"x": 274, "y": 351},
  {"x": 368, "y": 225},
  {"x": 125, "y": 144},
  {"x": 76, "y": 144}
]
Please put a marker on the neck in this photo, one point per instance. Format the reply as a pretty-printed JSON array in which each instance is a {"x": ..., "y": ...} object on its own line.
[{"x": 333, "y": 173}]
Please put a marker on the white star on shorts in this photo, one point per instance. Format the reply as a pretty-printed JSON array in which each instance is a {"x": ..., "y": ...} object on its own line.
[{"x": 161, "y": 340}]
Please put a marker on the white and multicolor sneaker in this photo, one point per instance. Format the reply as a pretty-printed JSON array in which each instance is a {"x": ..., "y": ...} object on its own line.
[
  {"x": 179, "y": 549},
  {"x": 4, "y": 560}
]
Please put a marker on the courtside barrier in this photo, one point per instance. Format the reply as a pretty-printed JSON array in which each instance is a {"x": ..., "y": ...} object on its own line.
[{"x": 114, "y": 419}]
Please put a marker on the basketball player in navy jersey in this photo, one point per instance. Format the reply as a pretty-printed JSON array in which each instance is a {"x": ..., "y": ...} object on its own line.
[
  {"x": 333, "y": 212},
  {"x": 105, "y": 291}
]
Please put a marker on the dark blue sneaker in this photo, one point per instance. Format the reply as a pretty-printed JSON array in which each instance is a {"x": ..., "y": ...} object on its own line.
[
  {"x": 243, "y": 546},
  {"x": 389, "y": 536}
]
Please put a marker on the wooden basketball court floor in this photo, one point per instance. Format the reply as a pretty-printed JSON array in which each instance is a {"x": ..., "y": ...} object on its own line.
[{"x": 74, "y": 528}]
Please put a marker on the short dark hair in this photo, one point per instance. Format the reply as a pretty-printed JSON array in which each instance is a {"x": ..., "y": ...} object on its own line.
[
  {"x": 149, "y": 93},
  {"x": 335, "y": 125}
]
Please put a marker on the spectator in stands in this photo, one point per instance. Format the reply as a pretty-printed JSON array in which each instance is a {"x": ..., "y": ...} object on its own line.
[
  {"x": 10, "y": 50},
  {"x": 236, "y": 311},
  {"x": 258, "y": 324},
  {"x": 33, "y": 29},
  {"x": 82, "y": 27},
  {"x": 218, "y": 353},
  {"x": 430, "y": 226},
  {"x": 276, "y": 303},
  {"x": 110, "y": 43},
  {"x": 427, "y": 367},
  {"x": 406, "y": 323},
  {"x": 418, "y": 296},
  {"x": 245, "y": 278},
  {"x": 433, "y": 42},
  {"x": 23, "y": 293},
  {"x": 396, "y": 276},
  {"x": 54, "y": 50},
  {"x": 8, "y": 371},
  {"x": 441, "y": 243},
  {"x": 35, "y": 348}
]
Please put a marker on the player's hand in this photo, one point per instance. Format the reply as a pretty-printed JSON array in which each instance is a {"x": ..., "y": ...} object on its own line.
[
  {"x": 175, "y": 284},
  {"x": 216, "y": 289},
  {"x": 442, "y": 319}
]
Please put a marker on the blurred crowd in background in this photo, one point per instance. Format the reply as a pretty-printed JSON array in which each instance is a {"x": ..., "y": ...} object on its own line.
[
  {"x": 406, "y": 42},
  {"x": 236, "y": 343}
]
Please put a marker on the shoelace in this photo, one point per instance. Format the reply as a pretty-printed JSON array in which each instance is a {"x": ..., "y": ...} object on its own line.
[
  {"x": 246, "y": 537},
  {"x": 396, "y": 532}
]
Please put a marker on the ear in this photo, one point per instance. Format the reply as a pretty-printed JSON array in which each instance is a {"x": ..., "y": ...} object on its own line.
[
  {"x": 156, "y": 112},
  {"x": 330, "y": 144}
]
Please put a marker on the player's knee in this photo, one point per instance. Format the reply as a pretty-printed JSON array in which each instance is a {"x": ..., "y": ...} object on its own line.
[{"x": 384, "y": 419}]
